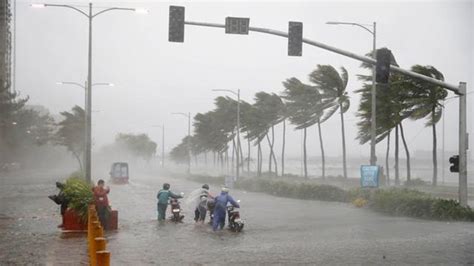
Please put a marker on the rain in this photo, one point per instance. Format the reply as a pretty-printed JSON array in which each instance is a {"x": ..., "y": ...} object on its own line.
[{"x": 236, "y": 132}]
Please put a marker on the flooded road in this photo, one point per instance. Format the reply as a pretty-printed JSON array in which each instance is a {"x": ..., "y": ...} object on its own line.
[{"x": 278, "y": 231}]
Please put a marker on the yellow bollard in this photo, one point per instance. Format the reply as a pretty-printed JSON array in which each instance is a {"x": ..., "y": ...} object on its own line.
[
  {"x": 100, "y": 243},
  {"x": 103, "y": 258},
  {"x": 97, "y": 230},
  {"x": 96, "y": 241}
]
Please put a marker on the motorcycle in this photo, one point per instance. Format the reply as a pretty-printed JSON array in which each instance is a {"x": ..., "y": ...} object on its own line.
[
  {"x": 210, "y": 206},
  {"x": 176, "y": 211},
  {"x": 235, "y": 223}
]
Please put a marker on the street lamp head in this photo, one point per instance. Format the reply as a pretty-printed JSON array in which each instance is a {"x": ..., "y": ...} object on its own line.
[
  {"x": 332, "y": 22},
  {"x": 38, "y": 5},
  {"x": 141, "y": 11},
  {"x": 14, "y": 123}
]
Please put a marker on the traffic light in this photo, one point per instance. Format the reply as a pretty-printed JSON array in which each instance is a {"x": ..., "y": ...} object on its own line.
[
  {"x": 234, "y": 25},
  {"x": 454, "y": 160},
  {"x": 382, "y": 68},
  {"x": 295, "y": 38},
  {"x": 176, "y": 24}
]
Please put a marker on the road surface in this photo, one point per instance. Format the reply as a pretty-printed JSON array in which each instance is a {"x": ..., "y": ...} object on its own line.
[{"x": 278, "y": 231}]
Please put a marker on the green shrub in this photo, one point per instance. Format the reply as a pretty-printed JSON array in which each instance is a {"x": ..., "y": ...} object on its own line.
[
  {"x": 80, "y": 195},
  {"x": 448, "y": 209},
  {"x": 393, "y": 201},
  {"x": 416, "y": 182}
]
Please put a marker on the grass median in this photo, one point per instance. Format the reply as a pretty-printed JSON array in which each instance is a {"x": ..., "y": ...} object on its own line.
[{"x": 391, "y": 201}]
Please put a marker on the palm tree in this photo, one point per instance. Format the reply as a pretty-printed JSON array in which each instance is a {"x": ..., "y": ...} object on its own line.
[
  {"x": 333, "y": 88},
  {"x": 393, "y": 106},
  {"x": 426, "y": 100},
  {"x": 253, "y": 123},
  {"x": 304, "y": 108},
  {"x": 271, "y": 108}
]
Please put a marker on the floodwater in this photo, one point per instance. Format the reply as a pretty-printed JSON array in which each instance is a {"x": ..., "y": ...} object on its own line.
[{"x": 278, "y": 231}]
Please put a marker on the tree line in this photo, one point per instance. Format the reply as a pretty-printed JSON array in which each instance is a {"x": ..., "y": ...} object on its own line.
[{"x": 311, "y": 103}]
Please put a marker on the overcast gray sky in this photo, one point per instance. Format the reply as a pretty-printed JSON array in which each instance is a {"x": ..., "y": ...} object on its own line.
[{"x": 155, "y": 78}]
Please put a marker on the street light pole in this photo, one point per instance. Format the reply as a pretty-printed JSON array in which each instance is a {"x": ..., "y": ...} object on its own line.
[
  {"x": 86, "y": 106},
  {"x": 238, "y": 128},
  {"x": 88, "y": 110},
  {"x": 188, "y": 115},
  {"x": 373, "y": 124},
  {"x": 88, "y": 156},
  {"x": 162, "y": 145}
]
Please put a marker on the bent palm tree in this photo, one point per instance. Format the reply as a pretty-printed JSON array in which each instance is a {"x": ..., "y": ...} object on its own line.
[
  {"x": 304, "y": 108},
  {"x": 426, "y": 100},
  {"x": 333, "y": 88}
]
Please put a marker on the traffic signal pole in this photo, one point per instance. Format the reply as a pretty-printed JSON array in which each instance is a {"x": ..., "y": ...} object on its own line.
[
  {"x": 459, "y": 90},
  {"x": 462, "y": 145}
]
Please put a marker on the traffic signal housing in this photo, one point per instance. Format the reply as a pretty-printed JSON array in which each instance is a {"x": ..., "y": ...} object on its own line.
[
  {"x": 176, "y": 24},
  {"x": 382, "y": 68},
  {"x": 454, "y": 160},
  {"x": 235, "y": 25},
  {"x": 295, "y": 38}
]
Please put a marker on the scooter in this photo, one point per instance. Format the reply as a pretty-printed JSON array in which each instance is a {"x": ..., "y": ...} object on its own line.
[
  {"x": 176, "y": 211},
  {"x": 235, "y": 223},
  {"x": 210, "y": 206}
]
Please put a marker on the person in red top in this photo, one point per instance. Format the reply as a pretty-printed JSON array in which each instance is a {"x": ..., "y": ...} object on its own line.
[{"x": 102, "y": 202}]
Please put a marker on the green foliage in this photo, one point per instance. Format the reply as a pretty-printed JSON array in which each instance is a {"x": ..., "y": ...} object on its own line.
[
  {"x": 448, "y": 209},
  {"x": 21, "y": 126},
  {"x": 139, "y": 145},
  {"x": 79, "y": 194},
  {"x": 420, "y": 205},
  {"x": 416, "y": 182},
  {"x": 71, "y": 132},
  {"x": 394, "y": 201},
  {"x": 180, "y": 153}
]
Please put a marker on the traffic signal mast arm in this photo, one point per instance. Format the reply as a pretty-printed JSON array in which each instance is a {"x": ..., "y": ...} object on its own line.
[
  {"x": 177, "y": 23},
  {"x": 365, "y": 59}
]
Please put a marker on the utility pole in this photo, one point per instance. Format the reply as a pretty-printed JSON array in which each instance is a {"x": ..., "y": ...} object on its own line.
[{"x": 89, "y": 15}]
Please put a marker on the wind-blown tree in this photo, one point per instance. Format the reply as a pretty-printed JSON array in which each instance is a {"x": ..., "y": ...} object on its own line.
[
  {"x": 10, "y": 105},
  {"x": 215, "y": 129},
  {"x": 226, "y": 118},
  {"x": 255, "y": 128},
  {"x": 71, "y": 133},
  {"x": 426, "y": 99},
  {"x": 303, "y": 104},
  {"x": 180, "y": 153},
  {"x": 139, "y": 145},
  {"x": 284, "y": 116},
  {"x": 392, "y": 108},
  {"x": 247, "y": 119},
  {"x": 332, "y": 86},
  {"x": 271, "y": 108},
  {"x": 209, "y": 134}
]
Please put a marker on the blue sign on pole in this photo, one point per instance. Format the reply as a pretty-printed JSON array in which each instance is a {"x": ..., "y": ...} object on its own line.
[{"x": 369, "y": 175}]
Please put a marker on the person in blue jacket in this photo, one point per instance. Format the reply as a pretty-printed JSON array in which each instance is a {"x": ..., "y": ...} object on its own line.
[
  {"x": 163, "y": 196},
  {"x": 221, "y": 208}
]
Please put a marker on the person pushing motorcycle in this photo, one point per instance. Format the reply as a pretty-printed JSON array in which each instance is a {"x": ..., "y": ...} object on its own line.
[
  {"x": 220, "y": 209},
  {"x": 163, "y": 196},
  {"x": 201, "y": 206}
]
